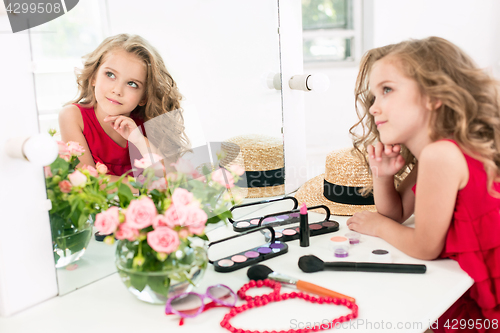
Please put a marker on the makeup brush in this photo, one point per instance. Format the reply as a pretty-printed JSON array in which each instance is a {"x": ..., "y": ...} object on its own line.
[
  {"x": 311, "y": 264},
  {"x": 262, "y": 272}
]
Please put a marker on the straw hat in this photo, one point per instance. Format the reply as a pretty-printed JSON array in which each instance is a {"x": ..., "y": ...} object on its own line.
[
  {"x": 261, "y": 157},
  {"x": 338, "y": 188}
]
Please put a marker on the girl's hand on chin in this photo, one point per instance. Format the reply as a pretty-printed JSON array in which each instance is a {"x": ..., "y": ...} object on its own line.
[
  {"x": 384, "y": 160},
  {"x": 125, "y": 126},
  {"x": 366, "y": 222}
]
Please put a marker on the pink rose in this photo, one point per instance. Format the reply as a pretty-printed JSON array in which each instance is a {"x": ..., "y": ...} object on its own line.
[
  {"x": 182, "y": 197},
  {"x": 184, "y": 233},
  {"x": 107, "y": 221},
  {"x": 101, "y": 168},
  {"x": 172, "y": 176},
  {"x": 92, "y": 171},
  {"x": 176, "y": 215},
  {"x": 77, "y": 178},
  {"x": 196, "y": 220},
  {"x": 75, "y": 149},
  {"x": 160, "y": 220},
  {"x": 63, "y": 148},
  {"x": 149, "y": 160},
  {"x": 141, "y": 179},
  {"x": 236, "y": 169},
  {"x": 65, "y": 186},
  {"x": 126, "y": 232},
  {"x": 47, "y": 171},
  {"x": 184, "y": 166},
  {"x": 163, "y": 239},
  {"x": 223, "y": 177},
  {"x": 140, "y": 213},
  {"x": 160, "y": 184},
  {"x": 201, "y": 178}
]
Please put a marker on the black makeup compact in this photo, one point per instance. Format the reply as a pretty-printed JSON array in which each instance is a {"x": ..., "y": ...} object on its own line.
[
  {"x": 293, "y": 232},
  {"x": 249, "y": 216},
  {"x": 270, "y": 249}
]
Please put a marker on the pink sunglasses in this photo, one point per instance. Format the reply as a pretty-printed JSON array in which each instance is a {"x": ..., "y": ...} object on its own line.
[{"x": 189, "y": 305}]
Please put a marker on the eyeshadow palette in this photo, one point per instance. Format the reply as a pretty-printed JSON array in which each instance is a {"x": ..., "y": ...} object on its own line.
[
  {"x": 271, "y": 249},
  {"x": 293, "y": 217},
  {"x": 276, "y": 219},
  {"x": 291, "y": 233}
]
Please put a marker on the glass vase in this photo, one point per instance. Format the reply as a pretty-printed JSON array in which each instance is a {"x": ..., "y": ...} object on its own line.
[
  {"x": 181, "y": 271},
  {"x": 69, "y": 244}
]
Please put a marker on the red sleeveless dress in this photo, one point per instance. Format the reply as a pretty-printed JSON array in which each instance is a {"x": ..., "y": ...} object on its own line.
[
  {"x": 103, "y": 148},
  {"x": 473, "y": 240}
]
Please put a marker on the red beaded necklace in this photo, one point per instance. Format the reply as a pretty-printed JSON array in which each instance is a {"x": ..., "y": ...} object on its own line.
[{"x": 275, "y": 296}]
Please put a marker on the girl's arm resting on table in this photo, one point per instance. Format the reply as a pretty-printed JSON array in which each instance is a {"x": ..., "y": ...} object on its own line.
[
  {"x": 71, "y": 128},
  {"x": 396, "y": 204},
  {"x": 442, "y": 173}
]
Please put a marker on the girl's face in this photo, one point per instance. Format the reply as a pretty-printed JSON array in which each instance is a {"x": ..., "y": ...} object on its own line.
[
  {"x": 120, "y": 83},
  {"x": 400, "y": 110}
]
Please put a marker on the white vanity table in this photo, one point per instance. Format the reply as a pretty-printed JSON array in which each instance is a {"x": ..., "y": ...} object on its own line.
[{"x": 409, "y": 301}]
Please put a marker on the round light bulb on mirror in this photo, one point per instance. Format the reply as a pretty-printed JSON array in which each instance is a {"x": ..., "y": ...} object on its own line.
[
  {"x": 272, "y": 80},
  {"x": 318, "y": 82},
  {"x": 40, "y": 149}
]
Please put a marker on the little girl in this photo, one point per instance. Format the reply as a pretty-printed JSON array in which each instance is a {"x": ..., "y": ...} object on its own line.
[
  {"x": 428, "y": 111},
  {"x": 123, "y": 85}
]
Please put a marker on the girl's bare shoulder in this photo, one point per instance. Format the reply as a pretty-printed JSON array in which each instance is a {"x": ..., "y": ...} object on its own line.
[
  {"x": 446, "y": 155},
  {"x": 442, "y": 151},
  {"x": 70, "y": 115}
]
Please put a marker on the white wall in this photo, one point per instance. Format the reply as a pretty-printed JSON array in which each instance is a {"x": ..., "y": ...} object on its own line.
[{"x": 472, "y": 25}]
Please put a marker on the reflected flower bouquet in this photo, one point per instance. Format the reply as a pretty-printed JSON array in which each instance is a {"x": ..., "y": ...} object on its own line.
[
  {"x": 162, "y": 229},
  {"x": 76, "y": 195}
]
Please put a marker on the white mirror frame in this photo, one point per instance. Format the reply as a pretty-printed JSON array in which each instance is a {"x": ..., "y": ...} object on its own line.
[
  {"x": 27, "y": 274},
  {"x": 294, "y": 128}
]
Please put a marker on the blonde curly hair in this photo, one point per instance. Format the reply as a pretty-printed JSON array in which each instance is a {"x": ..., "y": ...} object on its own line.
[
  {"x": 470, "y": 111},
  {"x": 162, "y": 95}
]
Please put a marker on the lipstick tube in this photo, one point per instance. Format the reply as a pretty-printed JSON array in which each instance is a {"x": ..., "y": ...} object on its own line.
[{"x": 304, "y": 226}]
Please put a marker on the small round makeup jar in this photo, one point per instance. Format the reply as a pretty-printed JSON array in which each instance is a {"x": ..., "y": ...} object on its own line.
[
  {"x": 353, "y": 237},
  {"x": 380, "y": 255},
  {"x": 339, "y": 245}
]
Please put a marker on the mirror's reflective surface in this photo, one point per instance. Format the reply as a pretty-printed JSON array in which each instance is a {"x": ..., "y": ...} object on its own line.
[{"x": 222, "y": 54}]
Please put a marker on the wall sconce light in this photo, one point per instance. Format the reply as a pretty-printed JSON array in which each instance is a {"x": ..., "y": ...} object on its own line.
[
  {"x": 307, "y": 82},
  {"x": 272, "y": 80},
  {"x": 40, "y": 149}
]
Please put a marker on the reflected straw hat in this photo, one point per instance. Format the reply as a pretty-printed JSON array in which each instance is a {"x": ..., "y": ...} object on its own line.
[
  {"x": 261, "y": 156},
  {"x": 339, "y": 188}
]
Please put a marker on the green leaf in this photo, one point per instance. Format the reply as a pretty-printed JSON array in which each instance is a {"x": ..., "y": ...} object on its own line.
[
  {"x": 225, "y": 215},
  {"x": 138, "y": 281},
  {"x": 59, "y": 165},
  {"x": 213, "y": 219},
  {"x": 82, "y": 220},
  {"x": 204, "y": 237},
  {"x": 74, "y": 242},
  {"x": 125, "y": 195},
  {"x": 159, "y": 284}
]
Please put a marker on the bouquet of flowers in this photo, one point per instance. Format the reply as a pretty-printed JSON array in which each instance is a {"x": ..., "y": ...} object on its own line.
[
  {"x": 161, "y": 231},
  {"x": 76, "y": 194}
]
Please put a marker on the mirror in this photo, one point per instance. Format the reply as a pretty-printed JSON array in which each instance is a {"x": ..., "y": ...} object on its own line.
[{"x": 220, "y": 52}]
